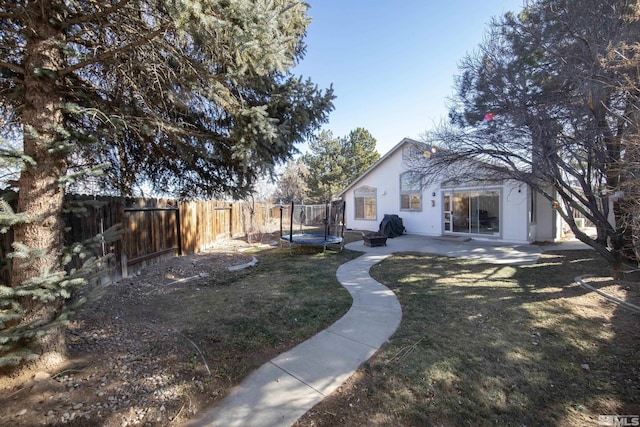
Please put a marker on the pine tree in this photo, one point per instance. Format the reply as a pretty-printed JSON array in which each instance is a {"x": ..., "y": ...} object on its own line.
[
  {"x": 361, "y": 147},
  {"x": 334, "y": 162},
  {"x": 194, "y": 97}
]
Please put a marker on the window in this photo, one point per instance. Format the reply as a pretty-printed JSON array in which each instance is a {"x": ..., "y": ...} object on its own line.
[
  {"x": 410, "y": 192},
  {"x": 447, "y": 212},
  {"x": 365, "y": 203}
]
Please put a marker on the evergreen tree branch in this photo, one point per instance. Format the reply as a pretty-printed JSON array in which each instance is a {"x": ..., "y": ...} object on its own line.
[
  {"x": 82, "y": 18},
  {"x": 104, "y": 56},
  {"x": 12, "y": 67}
]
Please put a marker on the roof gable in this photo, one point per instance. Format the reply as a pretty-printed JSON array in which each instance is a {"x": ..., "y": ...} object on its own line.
[{"x": 388, "y": 154}]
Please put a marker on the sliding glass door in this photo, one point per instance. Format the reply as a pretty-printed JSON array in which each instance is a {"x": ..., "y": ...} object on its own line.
[{"x": 472, "y": 212}]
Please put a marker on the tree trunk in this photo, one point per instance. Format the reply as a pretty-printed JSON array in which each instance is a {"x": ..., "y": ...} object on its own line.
[{"x": 40, "y": 193}]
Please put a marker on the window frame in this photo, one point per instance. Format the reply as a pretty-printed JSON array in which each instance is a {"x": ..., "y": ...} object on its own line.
[
  {"x": 369, "y": 196},
  {"x": 464, "y": 224},
  {"x": 412, "y": 193}
]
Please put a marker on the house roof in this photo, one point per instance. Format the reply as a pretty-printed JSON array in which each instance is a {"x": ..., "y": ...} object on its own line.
[{"x": 380, "y": 160}]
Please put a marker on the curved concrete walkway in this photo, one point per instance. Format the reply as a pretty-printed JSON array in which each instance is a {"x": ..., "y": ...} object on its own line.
[{"x": 285, "y": 388}]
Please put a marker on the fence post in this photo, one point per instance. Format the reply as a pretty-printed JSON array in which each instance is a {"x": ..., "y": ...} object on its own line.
[
  {"x": 124, "y": 266},
  {"x": 179, "y": 229}
]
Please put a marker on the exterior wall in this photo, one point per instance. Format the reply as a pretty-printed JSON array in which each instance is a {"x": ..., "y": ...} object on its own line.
[
  {"x": 427, "y": 221},
  {"x": 545, "y": 225},
  {"x": 385, "y": 178},
  {"x": 548, "y": 225},
  {"x": 514, "y": 212}
]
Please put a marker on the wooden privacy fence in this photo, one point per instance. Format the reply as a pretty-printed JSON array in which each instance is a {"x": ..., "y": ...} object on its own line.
[
  {"x": 205, "y": 222},
  {"x": 150, "y": 230}
]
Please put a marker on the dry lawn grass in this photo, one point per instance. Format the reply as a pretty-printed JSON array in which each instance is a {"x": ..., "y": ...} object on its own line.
[
  {"x": 479, "y": 344},
  {"x": 154, "y": 350},
  {"x": 482, "y": 345}
]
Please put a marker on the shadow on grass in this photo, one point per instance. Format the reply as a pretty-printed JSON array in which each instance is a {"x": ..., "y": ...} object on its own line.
[{"x": 481, "y": 344}]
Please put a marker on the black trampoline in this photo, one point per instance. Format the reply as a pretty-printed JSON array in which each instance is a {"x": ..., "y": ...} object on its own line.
[{"x": 313, "y": 239}]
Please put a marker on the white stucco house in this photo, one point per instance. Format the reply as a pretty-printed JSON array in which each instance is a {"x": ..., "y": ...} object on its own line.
[{"x": 508, "y": 211}]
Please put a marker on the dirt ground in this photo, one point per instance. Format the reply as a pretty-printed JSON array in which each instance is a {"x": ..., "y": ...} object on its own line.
[{"x": 126, "y": 367}]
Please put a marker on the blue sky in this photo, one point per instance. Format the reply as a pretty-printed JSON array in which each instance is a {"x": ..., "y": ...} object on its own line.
[{"x": 392, "y": 62}]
